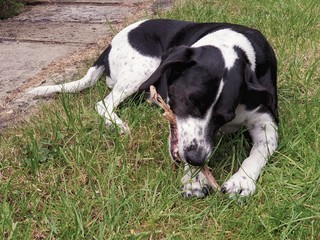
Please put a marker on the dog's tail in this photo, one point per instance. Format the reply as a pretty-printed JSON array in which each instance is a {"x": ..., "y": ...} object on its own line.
[{"x": 92, "y": 76}]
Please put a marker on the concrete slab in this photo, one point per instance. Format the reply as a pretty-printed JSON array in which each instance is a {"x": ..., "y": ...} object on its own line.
[
  {"x": 15, "y": 69},
  {"x": 53, "y": 32},
  {"x": 76, "y": 13}
]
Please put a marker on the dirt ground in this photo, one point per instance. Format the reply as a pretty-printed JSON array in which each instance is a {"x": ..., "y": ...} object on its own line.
[{"x": 50, "y": 41}]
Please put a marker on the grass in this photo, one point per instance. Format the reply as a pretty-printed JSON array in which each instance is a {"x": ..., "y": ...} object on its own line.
[
  {"x": 64, "y": 175},
  {"x": 9, "y": 8}
]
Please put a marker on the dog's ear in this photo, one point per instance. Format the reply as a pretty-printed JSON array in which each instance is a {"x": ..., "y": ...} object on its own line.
[
  {"x": 258, "y": 93},
  {"x": 176, "y": 58},
  {"x": 239, "y": 82},
  {"x": 224, "y": 109}
]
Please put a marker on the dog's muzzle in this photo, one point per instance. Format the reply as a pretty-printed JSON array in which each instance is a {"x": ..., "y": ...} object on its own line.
[{"x": 194, "y": 155}]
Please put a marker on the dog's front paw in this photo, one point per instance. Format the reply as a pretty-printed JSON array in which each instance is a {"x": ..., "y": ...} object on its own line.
[
  {"x": 239, "y": 184},
  {"x": 111, "y": 119},
  {"x": 123, "y": 128},
  {"x": 195, "y": 186}
]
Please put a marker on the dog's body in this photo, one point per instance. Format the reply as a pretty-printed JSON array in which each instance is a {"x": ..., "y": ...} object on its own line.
[{"x": 214, "y": 76}]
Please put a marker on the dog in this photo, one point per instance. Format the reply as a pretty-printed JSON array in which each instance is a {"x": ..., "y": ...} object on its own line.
[{"x": 216, "y": 77}]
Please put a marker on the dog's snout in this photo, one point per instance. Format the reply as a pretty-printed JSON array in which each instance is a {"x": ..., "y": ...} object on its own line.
[{"x": 195, "y": 156}]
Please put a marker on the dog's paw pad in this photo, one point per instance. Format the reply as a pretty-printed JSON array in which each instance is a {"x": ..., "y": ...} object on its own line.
[
  {"x": 195, "y": 187},
  {"x": 239, "y": 184}
]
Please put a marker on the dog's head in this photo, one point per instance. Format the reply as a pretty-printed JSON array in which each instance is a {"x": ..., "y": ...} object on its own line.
[{"x": 203, "y": 94}]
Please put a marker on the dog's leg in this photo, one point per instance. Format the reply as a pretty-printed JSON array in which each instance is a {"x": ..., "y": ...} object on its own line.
[
  {"x": 129, "y": 69},
  {"x": 263, "y": 131},
  {"x": 106, "y": 107},
  {"x": 194, "y": 183}
]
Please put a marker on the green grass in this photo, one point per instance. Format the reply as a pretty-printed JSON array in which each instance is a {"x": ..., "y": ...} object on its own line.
[
  {"x": 9, "y": 8},
  {"x": 64, "y": 175}
]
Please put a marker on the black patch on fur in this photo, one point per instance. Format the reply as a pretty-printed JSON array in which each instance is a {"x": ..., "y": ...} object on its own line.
[
  {"x": 104, "y": 60},
  {"x": 156, "y": 36}
]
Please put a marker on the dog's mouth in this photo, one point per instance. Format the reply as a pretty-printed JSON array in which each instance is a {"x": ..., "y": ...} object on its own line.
[{"x": 173, "y": 138}]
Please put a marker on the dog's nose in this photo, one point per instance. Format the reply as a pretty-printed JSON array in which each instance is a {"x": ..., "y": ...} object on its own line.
[{"x": 195, "y": 157}]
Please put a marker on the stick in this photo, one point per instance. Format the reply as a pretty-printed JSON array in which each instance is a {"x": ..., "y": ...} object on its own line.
[
  {"x": 211, "y": 180},
  {"x": 169, "y": 115},
  {"x": 157, "y": 99}
]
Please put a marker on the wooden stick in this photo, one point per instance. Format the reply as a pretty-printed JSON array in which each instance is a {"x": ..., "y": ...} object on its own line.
[
  {"x": 157, "y": 99},
  {"x": 211, "y": 180},
  {"x": 169, "y": 115}
]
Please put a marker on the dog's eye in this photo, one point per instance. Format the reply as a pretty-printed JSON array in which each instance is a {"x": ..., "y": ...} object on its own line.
[
  {"x": 199, "y": 106},
  {"x": 177, "y": 69},
  {"x": 175, "y": 72}
]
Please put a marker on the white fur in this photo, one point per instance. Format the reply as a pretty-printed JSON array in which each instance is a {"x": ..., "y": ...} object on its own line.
[
  {"x": 263, "y": 132},
  {"x": 88, "y": 80},
  {"x": 128, "y": 70},
  {"x": 226, "y": 40},
  {"x": 194, "y": 182}
]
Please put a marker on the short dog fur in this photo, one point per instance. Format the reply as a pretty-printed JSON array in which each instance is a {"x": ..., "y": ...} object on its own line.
[{"x": 216, "y": 77}]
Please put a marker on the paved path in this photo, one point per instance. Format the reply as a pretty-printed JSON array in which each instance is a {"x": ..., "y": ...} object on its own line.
[{"x": 51, "y": 40}]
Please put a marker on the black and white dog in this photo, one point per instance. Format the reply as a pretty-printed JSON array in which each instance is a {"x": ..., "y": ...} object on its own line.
[{"x": 216, "y": 77}]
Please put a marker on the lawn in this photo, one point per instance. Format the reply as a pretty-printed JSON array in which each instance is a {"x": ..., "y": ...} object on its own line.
[{"x": 64, "y": 175}]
